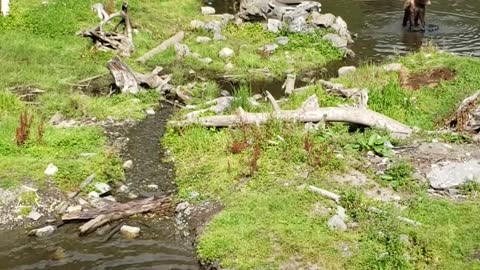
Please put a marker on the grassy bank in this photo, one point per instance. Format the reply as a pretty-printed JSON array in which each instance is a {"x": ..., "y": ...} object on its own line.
[
  {"x": 261, "y": 175},
  {"x": 41, "y": 50}
]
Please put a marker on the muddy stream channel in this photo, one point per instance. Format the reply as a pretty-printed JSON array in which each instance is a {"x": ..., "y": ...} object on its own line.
[{"x": 161, "y": 246}]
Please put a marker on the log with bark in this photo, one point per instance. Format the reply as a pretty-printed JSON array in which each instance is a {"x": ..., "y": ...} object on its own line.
[
  {"x": 121, "y": 42},
  {"x": 99, "y": 217},
  {"x": 309, "y": 112},
  {"x": 467, "y": 116},
  {"x": 129, "y": 81}
]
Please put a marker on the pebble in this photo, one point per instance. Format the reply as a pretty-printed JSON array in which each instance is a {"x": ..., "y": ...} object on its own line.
[
  {"x": 123, "y": 189},
  {"x": 283, "y": 40},
  {"x": 127, "y": 165},
  {"x": 153, "y": 186},
  {"x": 51, "y": 170},
  {"x": 150, "y": 111},
  {"x": 34, "y": 215},
  {"x": 130, "y": 231},
  {"x": 182, "y": 206},
  {"x": 72, "y": 209}
]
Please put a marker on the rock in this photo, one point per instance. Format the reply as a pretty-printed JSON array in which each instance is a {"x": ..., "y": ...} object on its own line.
[
  {"x": 182, "y": 50},
  {"x": 274, "y": 25},
  {"x": 150, "y": 111},
  {"x": 45, "y": 231},
  {"x": 123, "y": 189},
  {"x": 257, "y": 96},
  {"x": 208, "y": 10},
  {"x": 229, "y": 66},
  {"x": 213, "y": 26},
  {"x": 344, "y": 71},
  {"x": 194, "y": 195},
  {"x": 404, "y": 238},
  {"x": 110, "y": 198},
  {"x": 225, "y": 93},
  {"x": 34, "y": 215},
  {"x": 51, "y": 170},
  {"x": 322, "y": 20},
  {"x": 336, "y": 40},
  {"x": 269, "y": 48},
  {"x": 182, "y": 206},
  {"x": 454, "y": 174},
  {"x": 88, "y": 154},
  {"x": 55, "y": 119},
  {"x": 132, "y": 195},
  {"x": 348, "y": 53},
  {"x": 153, "y": 186},
  {"x": 206, "y": 60},
  {"x": 203, "y": 39},
  {"x": 340, "y": 26},
  {"x": 127, "y": 165},
  {"x": 337, "y": 223},
  {"x": 226, "y": 18},
  {"x": 196, "y": 24},
  {"x": 102, "y": 188},
  {"x": 298, "y": 25},
  {"x": 93, "y": 195},
  {"x": 341, "y": 212},
  {"x": 76, "y": 208},
  {"x": 196, "y": 55},
  {"x": 283, "y": 40},
  {"x": 226, "y": 53},
  {"x": 218, "y": 36},
  {"x": 129, "y": 231},
  {"x": 83, "y": 202}
]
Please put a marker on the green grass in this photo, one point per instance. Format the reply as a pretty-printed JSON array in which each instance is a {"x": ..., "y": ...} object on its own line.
[{"x": 267, "y": 218}]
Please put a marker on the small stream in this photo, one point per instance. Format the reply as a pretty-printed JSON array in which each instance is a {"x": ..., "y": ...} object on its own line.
[{"x": 380, "y": 35}]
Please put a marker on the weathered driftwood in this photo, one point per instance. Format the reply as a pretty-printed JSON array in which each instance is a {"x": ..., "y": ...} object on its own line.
[
  {"x": 113, "y": 40},
  {"x": 272, "y": 100},
  {"x": 309, "y": 112},
  {"x": 162, "y": 47},
  {"x": 99, "y": 217},
  {"x": 360, "y": 96},
  {"x": 100, "y": 10},
  {"x": 325, "y": 193},
  {"x": 337, "y": 198},
  {"x": 129, "y": 81},
  {"x": 289, "y": 84},
  {"x": 467, "y": 116},
  {"x": 83, "y": 185}
]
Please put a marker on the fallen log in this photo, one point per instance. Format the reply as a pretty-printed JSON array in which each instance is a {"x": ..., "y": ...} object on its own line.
[
  {"x": 162, "y": 47},
  {"x": 99, "y": 217},
  {"x": 129, "y": 81},
  {"x": 309, "y": 112},
  {"x": 325, "y": 193}
]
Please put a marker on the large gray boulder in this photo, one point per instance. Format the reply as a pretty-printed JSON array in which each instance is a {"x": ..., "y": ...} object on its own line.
[
  {"x": 454, "y": 174},
  {"x": 336, "y": 40},
  {"x": 322, "y": 20}
]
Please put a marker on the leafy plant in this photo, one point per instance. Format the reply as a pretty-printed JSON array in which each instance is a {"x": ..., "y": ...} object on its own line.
[
  {"x": 376, "y": 143},
  {"x": 399, "y": 175}
]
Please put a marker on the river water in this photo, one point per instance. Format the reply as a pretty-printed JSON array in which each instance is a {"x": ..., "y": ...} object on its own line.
[{"x": 380, "y": 35}]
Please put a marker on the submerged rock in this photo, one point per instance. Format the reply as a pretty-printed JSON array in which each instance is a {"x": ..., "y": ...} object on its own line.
[
  {"x": 130, "y": 231},
  {"x": 454, "y": 174},
  {"x": 44, "y": 232}
]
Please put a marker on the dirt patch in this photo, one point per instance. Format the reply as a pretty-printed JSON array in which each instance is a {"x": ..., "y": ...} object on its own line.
[{"x": 428, "y": 79}]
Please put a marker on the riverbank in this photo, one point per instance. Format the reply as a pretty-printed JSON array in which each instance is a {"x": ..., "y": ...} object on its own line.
[{"x": 271, "y": 220}]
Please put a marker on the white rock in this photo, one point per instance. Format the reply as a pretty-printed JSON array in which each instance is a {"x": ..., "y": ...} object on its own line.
[
  {"x": 196, "y": 24},
  {"x": 127, "y": 165},
  {"x": 337, "y": 223},
  {"x": 341, "y": 213},
  {"x": 110, "y": 198},
  {"x": 130, "y": 231},
  {"x": 123, "y": 189},
  {"x": 34, "y": 215},
  {"x": 93, "y": 195},
  {"x": 150, "y": 111},
  {"x": 76, "y": 208},
  {"x": 218, "y": 36},
  {"x": 226, "y": 53},
  {"x": 153, "y": 186},
  {"x": 274, "y": 25},
  {"x": 454, "y": 174},
  {"x": 344, "y": 71},
  {"x": 45, "y": 231},
  {"x": 206, "y": 60},
  {"x": 283, "y": 40},
  {"x": 393, "y": 67},
  {"x": 194, "y": 194},
  {"x": 208, "y": 10},
  {"x": 102, "y": 187},
  {"x": 51, "y": 170},
  {"x": 82, "y": 202},
  {"x": 203, "y": 39},
  {"x": 336, "y": 40}
]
